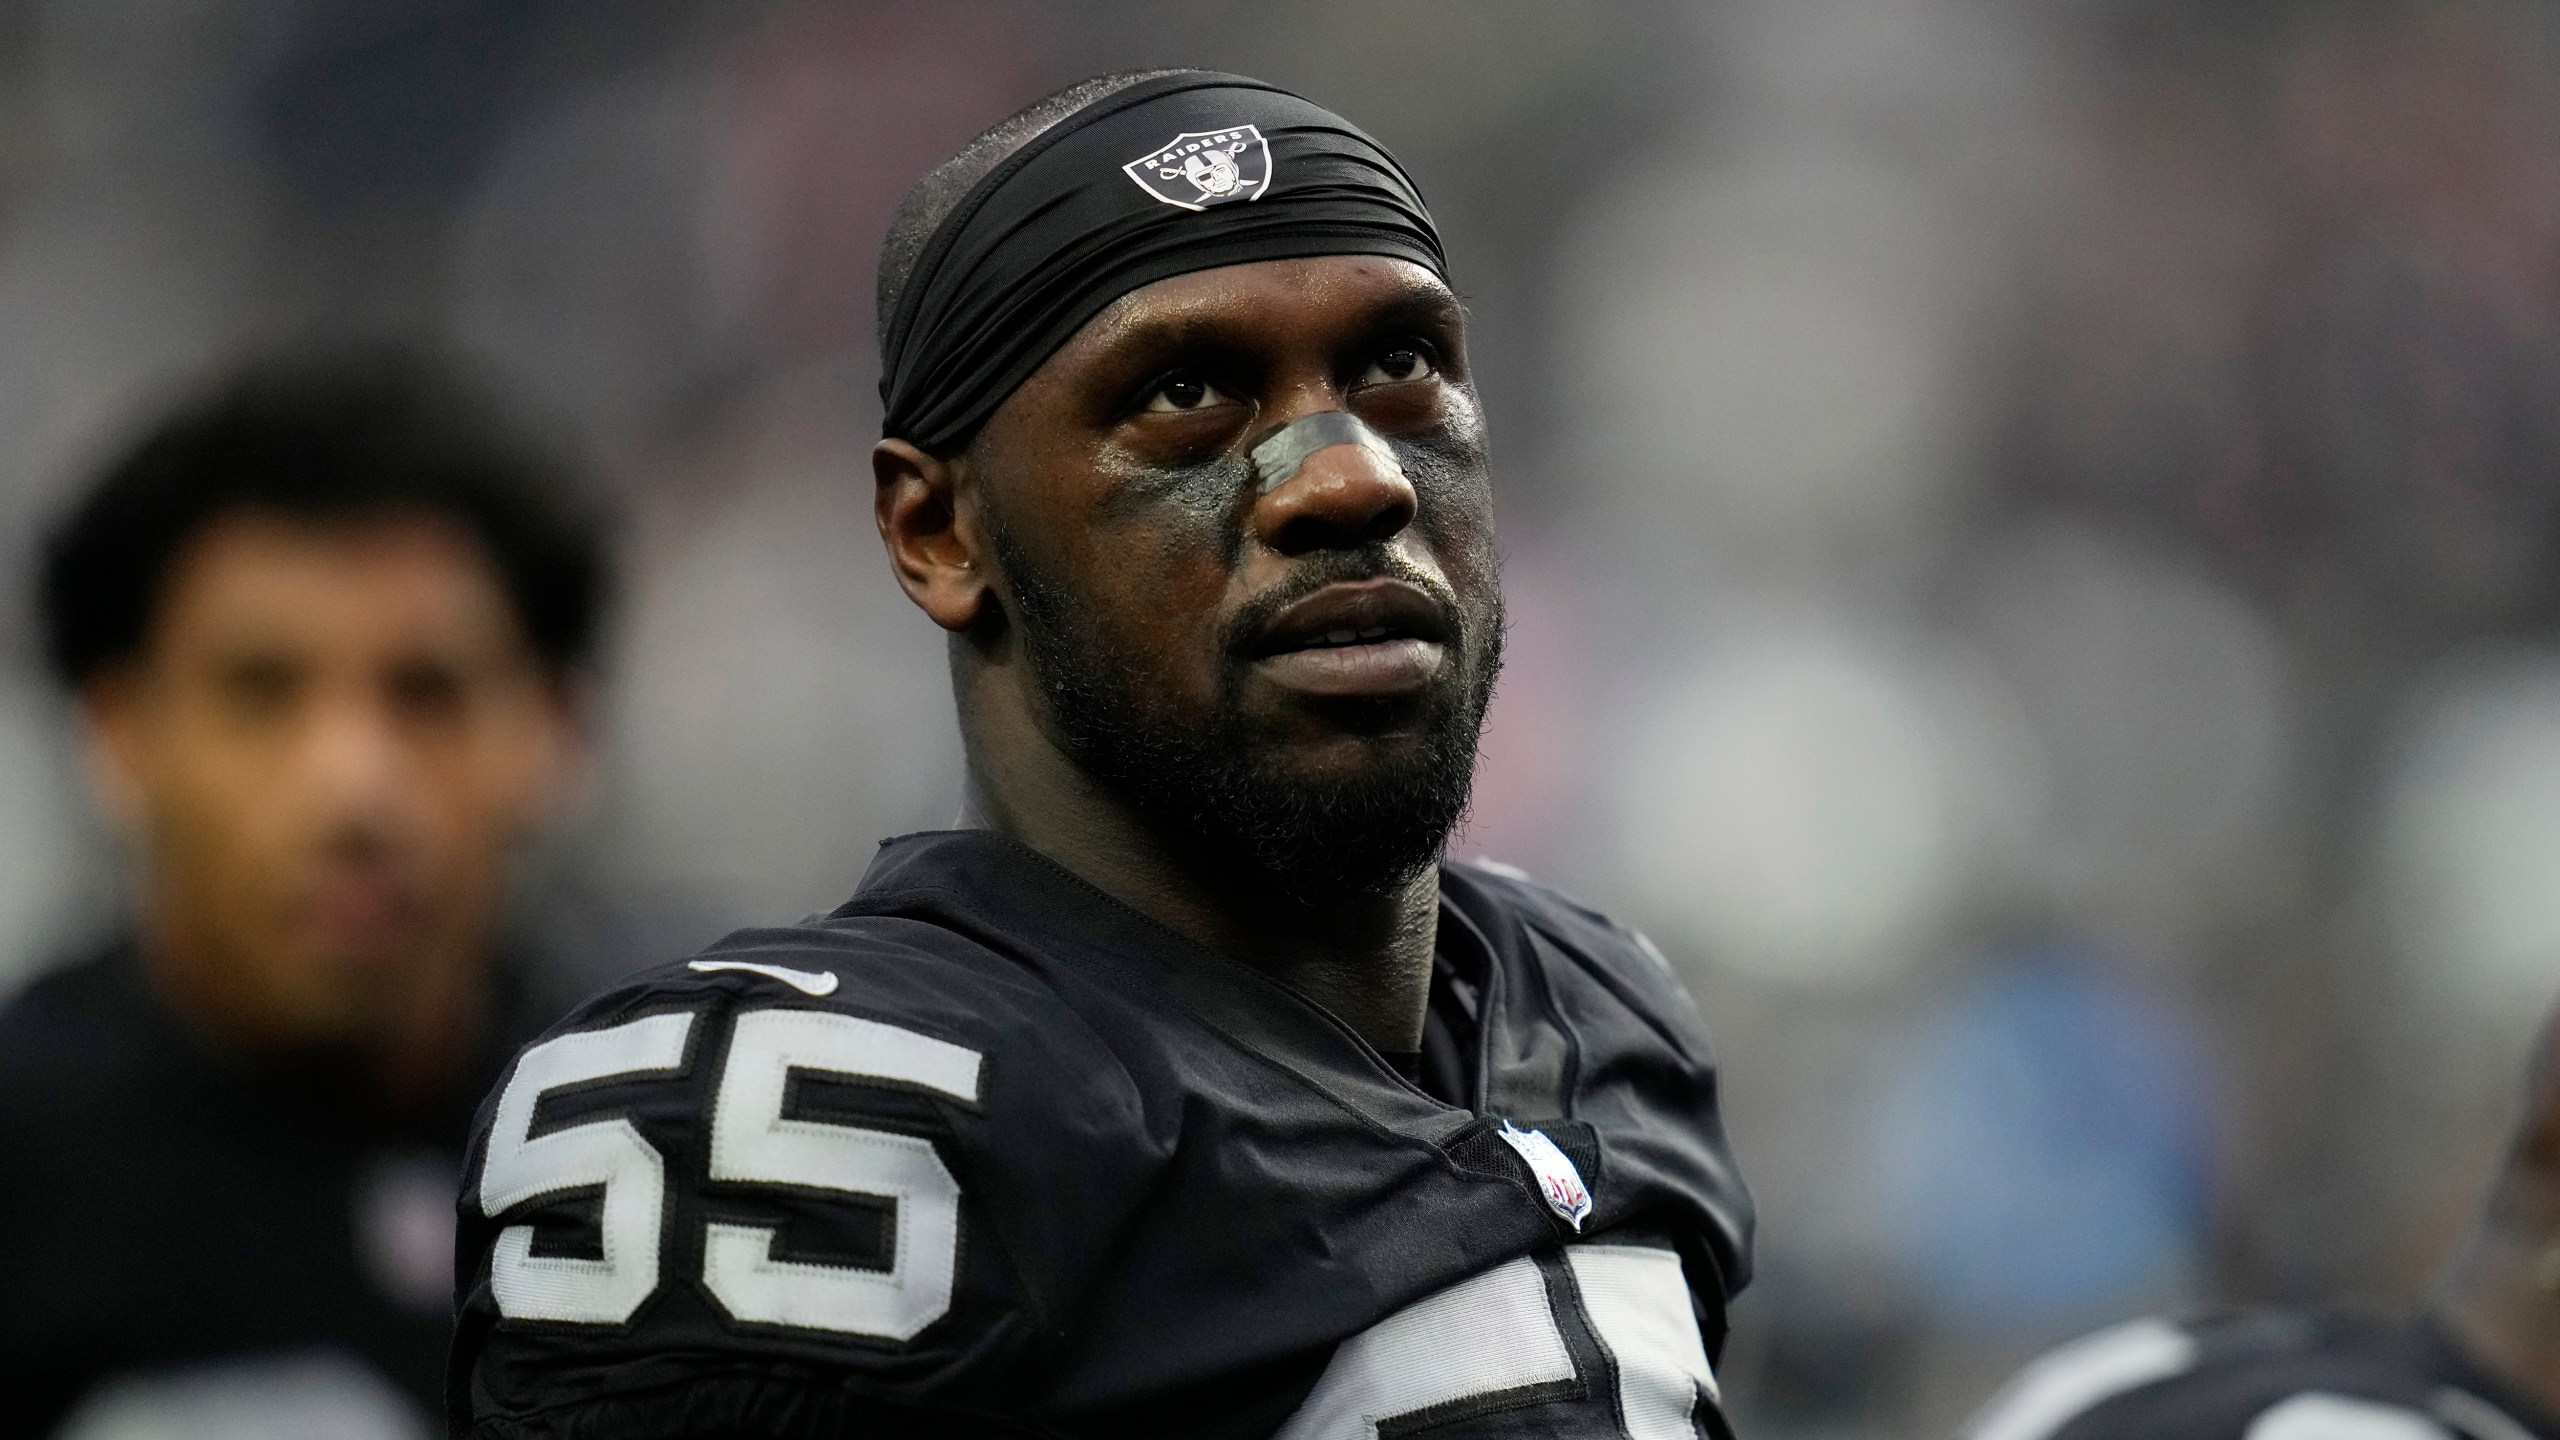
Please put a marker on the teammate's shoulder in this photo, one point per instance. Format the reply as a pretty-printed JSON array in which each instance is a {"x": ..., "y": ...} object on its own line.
[{"x": 2245, "y": 1375}]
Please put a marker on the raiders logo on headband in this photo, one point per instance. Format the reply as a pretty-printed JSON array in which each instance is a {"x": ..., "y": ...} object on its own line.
[{"x": 1198, "y": 169}]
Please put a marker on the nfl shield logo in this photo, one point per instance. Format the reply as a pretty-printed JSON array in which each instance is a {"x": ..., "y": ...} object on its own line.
[
  {"x": 1201, "y": 168},
  {"x": 1558, "y": 1180}
]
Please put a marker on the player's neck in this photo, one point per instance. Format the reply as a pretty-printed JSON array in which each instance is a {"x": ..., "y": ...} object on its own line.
[
  {"x": 2501, "y": 1295},
  {"x": 1365, "y": 957}
]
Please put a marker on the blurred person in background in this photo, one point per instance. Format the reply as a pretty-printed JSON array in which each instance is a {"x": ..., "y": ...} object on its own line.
[
  {"x": 328, "y": 627},
  {"x": 2479, "y": 1361}
]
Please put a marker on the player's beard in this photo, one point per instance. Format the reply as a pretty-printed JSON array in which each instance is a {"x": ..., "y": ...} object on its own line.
[{"x": 1215, "y": 781}]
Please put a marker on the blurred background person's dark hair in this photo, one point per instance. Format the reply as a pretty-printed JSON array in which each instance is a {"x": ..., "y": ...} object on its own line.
[
  {"x": 334, "y": 435},
  {"x": 328, "y": 626}
]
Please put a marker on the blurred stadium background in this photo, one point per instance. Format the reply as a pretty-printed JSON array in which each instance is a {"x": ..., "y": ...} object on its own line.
[{"x": 2032, "y": 536}]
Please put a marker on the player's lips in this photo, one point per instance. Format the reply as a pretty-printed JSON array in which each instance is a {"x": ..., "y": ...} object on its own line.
[
  {"x": 359, "y": 910},
  {"x": 1358, "y": 638}
]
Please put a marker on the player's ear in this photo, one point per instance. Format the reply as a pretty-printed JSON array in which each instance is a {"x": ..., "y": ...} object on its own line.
[
  {"x": 558, "y": 751},
  {"x": 113, "y": 731},
  {"x": 932, "y": 542}
]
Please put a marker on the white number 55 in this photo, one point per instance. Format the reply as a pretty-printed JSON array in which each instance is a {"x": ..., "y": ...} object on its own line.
[{"x": 751, "y": 1141}]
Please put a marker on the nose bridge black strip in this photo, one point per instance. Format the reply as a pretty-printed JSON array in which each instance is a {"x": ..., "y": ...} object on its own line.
[{"x": 1278, "y": 457}]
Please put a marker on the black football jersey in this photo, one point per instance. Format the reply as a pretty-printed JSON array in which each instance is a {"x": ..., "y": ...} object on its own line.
[
  {"x": 2265, "y": 1375},
  {"x": 197, "y": 1241},
  {"x": 985, "y": 1152}
]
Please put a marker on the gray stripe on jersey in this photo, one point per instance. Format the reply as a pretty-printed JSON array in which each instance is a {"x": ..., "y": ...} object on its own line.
[
  {"x": 2476, "y": 1417},
  {"x": 2082, "y": 1375},
  {"x": 2321, "y": 1415}
]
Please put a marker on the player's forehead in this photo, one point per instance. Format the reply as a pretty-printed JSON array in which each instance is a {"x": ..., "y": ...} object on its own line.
[
  {"x": 393, "y": 579},
  {"x": 1315, "y": 301}
]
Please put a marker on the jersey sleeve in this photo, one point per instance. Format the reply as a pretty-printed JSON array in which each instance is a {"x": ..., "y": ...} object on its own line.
[
  {"x": 2273, "y": 1375},
  {"x": 796, "y": 1187}
]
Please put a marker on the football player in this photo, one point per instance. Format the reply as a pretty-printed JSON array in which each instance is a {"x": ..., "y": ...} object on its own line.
[
  {"x": 1183, "y": 1090},
  {"x": 2480, "y": 1361},
  {"x": 325, "y": 623}
]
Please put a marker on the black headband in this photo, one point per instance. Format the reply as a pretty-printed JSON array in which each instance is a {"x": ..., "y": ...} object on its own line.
[{"x": 1185, "y": 172}]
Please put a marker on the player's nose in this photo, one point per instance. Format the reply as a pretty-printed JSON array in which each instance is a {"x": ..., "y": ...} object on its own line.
[{"x": 1341, "y": 497}]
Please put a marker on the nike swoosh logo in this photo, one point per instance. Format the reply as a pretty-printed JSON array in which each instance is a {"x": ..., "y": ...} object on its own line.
[{"x": 807, "y": 982}]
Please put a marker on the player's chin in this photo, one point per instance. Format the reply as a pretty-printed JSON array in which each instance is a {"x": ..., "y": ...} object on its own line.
[
  {"x": 321, "y": 991},
  {"x": 367, "y": 932},
  {"x": 1363, "y": 742},
  {"x": 1349, "y": 758},
  {"x": 1326, "y": 731}
]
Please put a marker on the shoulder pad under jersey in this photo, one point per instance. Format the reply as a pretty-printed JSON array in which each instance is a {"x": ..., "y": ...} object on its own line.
[{"x": 790, "y": 1173}]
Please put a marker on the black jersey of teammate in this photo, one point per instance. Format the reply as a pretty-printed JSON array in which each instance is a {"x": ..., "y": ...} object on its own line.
[
  {"x": 191, "y": 1238},
  {"x": 986, "y": 1152},
  {"x": 2267, "y": 1375}
]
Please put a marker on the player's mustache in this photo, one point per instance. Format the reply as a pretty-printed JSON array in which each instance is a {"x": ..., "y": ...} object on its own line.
[{"x": 1335, "y": 568}]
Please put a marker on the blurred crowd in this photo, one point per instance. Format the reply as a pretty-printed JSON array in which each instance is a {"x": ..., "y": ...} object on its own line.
[{"x": 2033, "y": 540}]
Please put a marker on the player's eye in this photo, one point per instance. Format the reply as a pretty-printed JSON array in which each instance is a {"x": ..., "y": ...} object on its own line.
[
  {"x": 1397, "y": 365},
  {"x": 425, "y": 691},
  {"x": 260, "y": 687},
  {"x": 1179, "y": 394}
]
